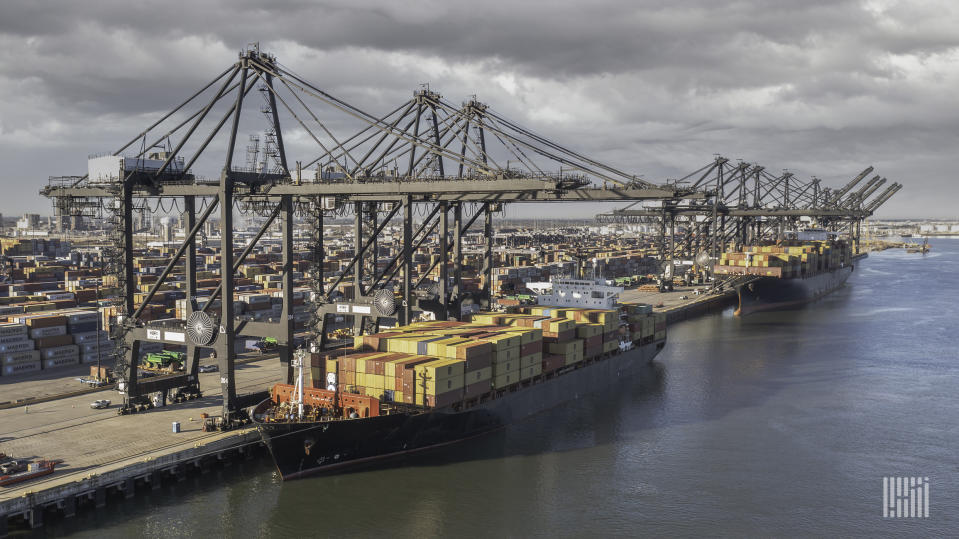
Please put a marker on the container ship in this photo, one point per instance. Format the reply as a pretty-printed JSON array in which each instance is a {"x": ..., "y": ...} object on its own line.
[
  {"x": 435, "y": 383},
  {"x": 787, "y": 274}
]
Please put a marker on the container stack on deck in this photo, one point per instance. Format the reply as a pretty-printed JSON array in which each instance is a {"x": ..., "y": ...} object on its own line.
[
  {"x": 435, "y": 364},
  {"x": 787, "y": 260}
]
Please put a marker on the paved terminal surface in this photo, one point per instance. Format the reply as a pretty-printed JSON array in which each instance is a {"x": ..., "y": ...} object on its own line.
[
  {"x": 672, "y": 301},
  {"x": 60, "y": 381},
  {"x": 97, "y": 441},
  {"x": 42, "y": 384}
]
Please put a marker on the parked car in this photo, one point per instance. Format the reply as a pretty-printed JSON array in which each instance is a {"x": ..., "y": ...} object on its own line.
[
  {"x": 208, "y": 368},
  {"x": 100, "y": 404}
]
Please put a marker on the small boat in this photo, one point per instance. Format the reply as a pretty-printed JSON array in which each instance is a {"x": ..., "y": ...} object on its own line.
[{"x": 34, "y": 470}]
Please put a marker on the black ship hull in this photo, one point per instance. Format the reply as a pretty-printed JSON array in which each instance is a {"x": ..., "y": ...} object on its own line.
[
  {"x": 770, "y": 293},
  {"x": 302, "y": 449}
]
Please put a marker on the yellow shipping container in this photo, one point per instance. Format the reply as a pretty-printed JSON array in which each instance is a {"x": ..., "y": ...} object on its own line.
[
  {"x": 445, "y": 347},
  {"x": 440, "y": 369},
  {"x": 486, "y": 319},
  {"x": 506, "y": 379},
  {"x": 438, "y": 387},
  {"x": 575, "y": 357},
  {"x": 505, "y": 366},
  {"x": 530, "y": 360},
  {"x": 401, "y": 344},
  {"x": 478, "y": 376},
  {"x": 503, "y": 341},
  {"x": 529, "y": 372},
  {"x": 585, "y": 331},
  {"x": 527, "y": 335},
  {"x": 566, "y": 348},
  {"x": 508, "y": 354},
  {"x": 557, "y": 325}
]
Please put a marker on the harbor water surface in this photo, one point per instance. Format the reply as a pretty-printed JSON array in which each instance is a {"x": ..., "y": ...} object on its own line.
[{"x": 780, "y": 423}]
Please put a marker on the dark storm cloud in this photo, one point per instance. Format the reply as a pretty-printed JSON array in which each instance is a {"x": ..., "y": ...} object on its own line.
[{"x": 821, "y": 87}]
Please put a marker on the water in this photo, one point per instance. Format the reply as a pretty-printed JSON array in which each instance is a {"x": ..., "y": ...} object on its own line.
[{"x": 776, "y": 424}]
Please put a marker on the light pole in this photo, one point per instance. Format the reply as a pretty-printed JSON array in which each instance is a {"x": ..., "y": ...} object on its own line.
[{"x": 96, "y": 301}]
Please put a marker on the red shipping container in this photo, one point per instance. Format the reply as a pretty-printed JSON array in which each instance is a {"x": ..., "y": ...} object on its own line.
[
  {"x": 444, "y": 399},
  {"x": 476, "y": 389},
  {"x": 480, "y": 362},
  {"x": 531, "y": 348}
]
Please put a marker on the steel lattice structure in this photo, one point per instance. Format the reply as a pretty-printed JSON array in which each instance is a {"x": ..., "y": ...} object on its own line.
[
  {"x": 746, "y": 203},
  {"x": 456, "y": 165}
]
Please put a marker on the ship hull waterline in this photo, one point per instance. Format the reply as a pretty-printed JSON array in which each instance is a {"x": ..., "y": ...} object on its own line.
[{"x": 305, "y": 449}]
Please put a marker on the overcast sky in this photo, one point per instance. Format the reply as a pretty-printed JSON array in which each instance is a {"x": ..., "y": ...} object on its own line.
[{"x": 821, "y": 88}]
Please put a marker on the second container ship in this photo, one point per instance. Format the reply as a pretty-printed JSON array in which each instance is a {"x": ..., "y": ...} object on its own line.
[
  {"x": 788, "y": 273},
  {"x": 435, "y": 383}
]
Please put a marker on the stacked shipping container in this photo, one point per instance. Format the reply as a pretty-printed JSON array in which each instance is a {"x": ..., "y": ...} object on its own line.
[{"x": 435, "y": 364}]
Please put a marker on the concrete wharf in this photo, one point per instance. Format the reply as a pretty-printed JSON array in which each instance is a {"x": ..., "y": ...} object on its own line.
[{"x": 104, "y": 453}]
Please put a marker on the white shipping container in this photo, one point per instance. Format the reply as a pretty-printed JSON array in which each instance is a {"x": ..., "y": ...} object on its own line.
[
  {"x": 90, "y": 336},
  {"x": 52, "y": 331},
  {"x": 11, "y": 339},
  {"x": 21, "y": 357},
  {"x": 91, "y": 347},
  {"x": 61, "y": 362},
  {"x": 21, "y": 368},
  {"x": 53, "y": 296},
  {"x": 26, "y": 344},
  {"x": 82, "y": 317},
  {"x": 12, "y": 330},
  {"x": 60, "y": 351},
  {"x": 255, "y": 298}
]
